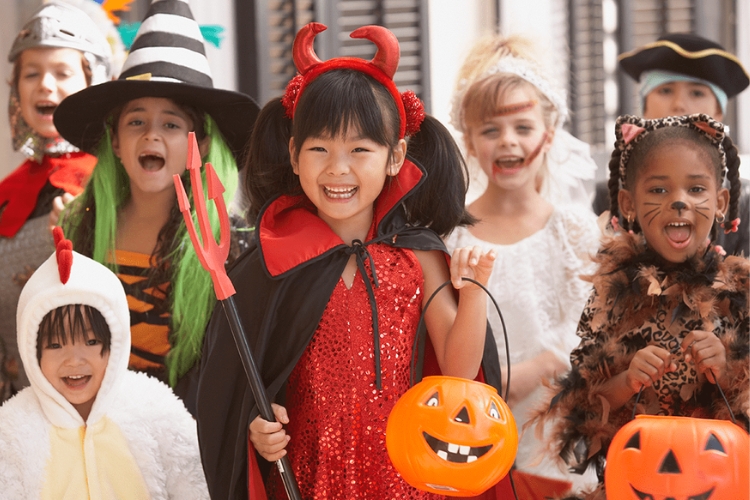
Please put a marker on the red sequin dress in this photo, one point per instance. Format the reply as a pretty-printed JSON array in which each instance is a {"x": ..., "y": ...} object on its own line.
[{"x": 337, "y": 416}]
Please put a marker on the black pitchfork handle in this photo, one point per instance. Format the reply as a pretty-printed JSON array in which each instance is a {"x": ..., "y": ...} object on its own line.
[{"x": 259, "y": 392}]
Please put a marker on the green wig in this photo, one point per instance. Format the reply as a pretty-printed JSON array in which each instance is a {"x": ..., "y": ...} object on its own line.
[{"x": 191, "y": 297}]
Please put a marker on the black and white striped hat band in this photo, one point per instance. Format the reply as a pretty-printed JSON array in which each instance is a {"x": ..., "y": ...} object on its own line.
[{"x": 169, "y": 47}]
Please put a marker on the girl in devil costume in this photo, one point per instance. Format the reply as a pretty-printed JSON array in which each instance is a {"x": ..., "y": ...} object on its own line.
[
  {"x": 668, "y": 316},
  {"x": 59, "y": 51},
  {"x": 348, "y": 223}
]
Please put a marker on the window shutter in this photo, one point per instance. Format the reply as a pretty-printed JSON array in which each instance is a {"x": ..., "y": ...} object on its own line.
[
  {"x": 585, "y": 33},
  {"x": 277, "y": 22}
]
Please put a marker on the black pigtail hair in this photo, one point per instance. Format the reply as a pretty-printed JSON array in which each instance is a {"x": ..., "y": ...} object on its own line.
[
  {"x": 733, "y": 175},
  {"x": 268, "y": 167},
  {"x": 439, "y": 203},
  {"x": 614, "y": 187}
]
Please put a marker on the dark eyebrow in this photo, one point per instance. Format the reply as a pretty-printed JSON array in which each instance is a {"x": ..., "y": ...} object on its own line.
[
  {"x": 140, "y": 109},
  {"x": 174, "y": 113},
  {"x": 134, "y": 110},
  {"x": 666, "y": 177}
]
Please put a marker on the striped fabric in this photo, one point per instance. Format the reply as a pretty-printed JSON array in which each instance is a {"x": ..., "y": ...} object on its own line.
[
  {"x": 169, "y": 47},
  {"x": 149, "y": 314}
]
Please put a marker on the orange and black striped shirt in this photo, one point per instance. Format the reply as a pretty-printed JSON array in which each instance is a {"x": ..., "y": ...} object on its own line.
[{"x": 149, "y": 313}]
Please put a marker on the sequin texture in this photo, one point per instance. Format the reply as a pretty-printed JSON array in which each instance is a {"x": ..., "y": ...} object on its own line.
[{"x": 337, "y": 416}]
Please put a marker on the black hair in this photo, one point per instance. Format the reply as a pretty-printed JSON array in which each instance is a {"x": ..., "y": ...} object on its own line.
[
  {"x": 268, "y": 169},
  {"x": 68, "y": 323},
  {"x": 328, "y": 106},
  {"x": 439, "y": 203},
  {"x": 665, "y": 136}
]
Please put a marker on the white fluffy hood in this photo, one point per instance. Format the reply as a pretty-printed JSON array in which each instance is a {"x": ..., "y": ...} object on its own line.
[{"x": 92, "y": 284}]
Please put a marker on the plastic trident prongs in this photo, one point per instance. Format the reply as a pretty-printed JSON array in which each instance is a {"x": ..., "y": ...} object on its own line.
[{"x": 212, "y": 255}]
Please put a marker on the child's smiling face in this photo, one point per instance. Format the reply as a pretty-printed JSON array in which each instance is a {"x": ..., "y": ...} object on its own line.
[
  {"x": 510, "y": 146},
  {"x": 675, "y": 198},
  {"x": 151, "y": 142},
  {"x": 45, "y": 78},
  {"x": 76, "y": 368},
  {"x": 343, "y": 176}
]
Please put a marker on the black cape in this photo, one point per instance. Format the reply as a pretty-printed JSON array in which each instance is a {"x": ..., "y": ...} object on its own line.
[{"x": 283, "y": 286}]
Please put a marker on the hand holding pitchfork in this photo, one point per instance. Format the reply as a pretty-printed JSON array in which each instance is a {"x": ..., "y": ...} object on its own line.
[{"x": 213, "y": 256}]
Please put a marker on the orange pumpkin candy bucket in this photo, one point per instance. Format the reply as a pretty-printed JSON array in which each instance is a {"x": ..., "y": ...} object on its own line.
[
  {"x": 681, "y": 458},
  {"x": 451, "y": 436}
]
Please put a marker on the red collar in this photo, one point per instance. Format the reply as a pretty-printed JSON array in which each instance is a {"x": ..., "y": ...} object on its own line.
[
  {"x": 20, "y": 190},
  {"x": 290, "y": 232}
]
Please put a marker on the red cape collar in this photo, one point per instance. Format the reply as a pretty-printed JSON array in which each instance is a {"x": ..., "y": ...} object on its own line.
[
  {"x": 290, "y": 233},
  {"x": 20, "y": 190}
]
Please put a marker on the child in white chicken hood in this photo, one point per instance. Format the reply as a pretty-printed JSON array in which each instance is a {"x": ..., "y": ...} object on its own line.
[{"x": 87, "y": 427}]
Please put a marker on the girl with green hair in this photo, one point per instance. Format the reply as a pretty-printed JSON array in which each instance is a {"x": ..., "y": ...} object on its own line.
[{"x": 128, "y": 217}]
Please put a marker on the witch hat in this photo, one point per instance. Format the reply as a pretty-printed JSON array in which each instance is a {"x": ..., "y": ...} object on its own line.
[{"x": 167, "y": 59}]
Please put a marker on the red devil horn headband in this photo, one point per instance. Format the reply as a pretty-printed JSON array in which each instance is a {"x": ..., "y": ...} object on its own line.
[
  {"x": 382, "y": 67},
  {"x": 389, "y": 52},
  {"x": 386, "y": 58},
  {"x": 303, "y": 51}
]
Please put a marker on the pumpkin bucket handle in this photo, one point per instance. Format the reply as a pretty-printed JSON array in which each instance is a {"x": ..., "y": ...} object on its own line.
[
  {"x": 729, "y": 408},
  {"x": 417, "y": 357}
]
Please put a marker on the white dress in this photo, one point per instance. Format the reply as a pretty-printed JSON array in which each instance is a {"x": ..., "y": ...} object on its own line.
[{"x": 537, "y": 285}]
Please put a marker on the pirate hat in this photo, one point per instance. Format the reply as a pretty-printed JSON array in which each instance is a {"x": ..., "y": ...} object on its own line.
[
  {"x": 690, "y": 55},
  {"x": 167, "y": 59}
]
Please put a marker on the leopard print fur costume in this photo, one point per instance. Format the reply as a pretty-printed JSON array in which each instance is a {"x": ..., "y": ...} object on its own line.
[{"x": 638, "y": 300}]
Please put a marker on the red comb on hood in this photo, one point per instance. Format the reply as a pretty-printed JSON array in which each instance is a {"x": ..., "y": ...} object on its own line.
[{"x": 64, "y": 251}]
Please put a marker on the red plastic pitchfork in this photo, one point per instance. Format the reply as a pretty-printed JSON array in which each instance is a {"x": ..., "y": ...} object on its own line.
[{"x": 212, "y": 256}]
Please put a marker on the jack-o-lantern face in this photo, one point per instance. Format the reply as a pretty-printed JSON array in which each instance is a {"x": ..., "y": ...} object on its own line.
[
  {"x": 678, "y": 458},
  {"x": 452, "y": 436}
]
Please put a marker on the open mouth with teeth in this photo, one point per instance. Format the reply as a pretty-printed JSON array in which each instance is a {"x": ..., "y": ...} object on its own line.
[
  {"x": 508, "y": 165},
  {"x": 47, "y": 109},
  {"x": 453, "y": 452},
  {"x": 76, "y": 381},
  {"x": 340, "y": 193},
  {"x": 151, "y": 162},
  {"x": 678, "y": 233}
]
